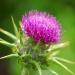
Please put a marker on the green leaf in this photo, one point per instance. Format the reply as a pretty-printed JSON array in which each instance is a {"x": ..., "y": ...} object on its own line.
[
  {"x": 8, "y": 34},
  {"x": 2, "y": 41},
  {"x": 38, "y": 67},
  {"x": 64, "y": 60},
  {"x": 9, "y": 56},
  {"x": 63, "y": 66}
]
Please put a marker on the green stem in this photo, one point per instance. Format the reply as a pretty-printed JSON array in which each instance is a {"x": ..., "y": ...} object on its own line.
[
  {"x": 38, "y": 67},
  {"x": 25, "y": 71}
]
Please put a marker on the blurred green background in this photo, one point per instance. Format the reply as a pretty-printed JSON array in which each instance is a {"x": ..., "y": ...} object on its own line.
[{"x": 64, "y": 10}]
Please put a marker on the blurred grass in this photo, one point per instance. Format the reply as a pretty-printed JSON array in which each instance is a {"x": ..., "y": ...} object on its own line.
[{"x": 64, "y": 10}]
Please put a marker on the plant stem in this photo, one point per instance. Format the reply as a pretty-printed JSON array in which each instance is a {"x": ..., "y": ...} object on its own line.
[{"x": 24, "y": 71}]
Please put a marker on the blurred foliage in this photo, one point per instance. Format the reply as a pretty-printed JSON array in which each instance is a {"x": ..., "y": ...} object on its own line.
[{"x": 64, "y": 10}]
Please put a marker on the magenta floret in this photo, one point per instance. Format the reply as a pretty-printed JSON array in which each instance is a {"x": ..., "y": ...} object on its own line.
[{"x": 41, "y": 27}]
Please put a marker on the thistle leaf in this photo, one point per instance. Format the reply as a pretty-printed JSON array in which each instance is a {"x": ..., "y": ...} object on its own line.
[
  {"x": 63, "y": 66},
  {"x": 64, "y": 60},
  {"x": 8, "y": 34},
  {"x": 9, "y": 56},
  {"x": 2, "y": 41},
  {"x": 38, "y": 67}
]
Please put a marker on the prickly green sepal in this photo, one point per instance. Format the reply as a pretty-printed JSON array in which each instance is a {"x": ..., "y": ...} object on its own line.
[
  {"x": 57, "y": 46},
  {"x": 9, "y": 56},
  {"x": 9, "y": 34},
  {"x": 52, "y": 71},
  {"x": 15, "y": 27},
  {"x": 64, "y": 60},
  {"x": 2, "y": 41},
  {"x": 63, "y": 66}
]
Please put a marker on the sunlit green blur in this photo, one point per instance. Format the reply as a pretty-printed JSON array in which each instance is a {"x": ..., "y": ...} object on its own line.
[{"x": 63, "y": 10}]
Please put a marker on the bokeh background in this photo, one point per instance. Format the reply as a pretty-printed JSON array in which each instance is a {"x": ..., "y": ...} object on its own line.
[{"x": 64, "y": 10}]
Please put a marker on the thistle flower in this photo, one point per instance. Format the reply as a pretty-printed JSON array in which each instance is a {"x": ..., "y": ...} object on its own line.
[
  {"x": 41, "y": 27},
  {"x": 34, "y": 56}
]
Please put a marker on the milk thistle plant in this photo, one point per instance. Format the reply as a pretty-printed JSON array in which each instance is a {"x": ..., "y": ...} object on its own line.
[{"x": 37, "y": 43}]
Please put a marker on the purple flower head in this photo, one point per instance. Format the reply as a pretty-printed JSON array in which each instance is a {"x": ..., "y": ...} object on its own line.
[{"x": 41, "y": 27}]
